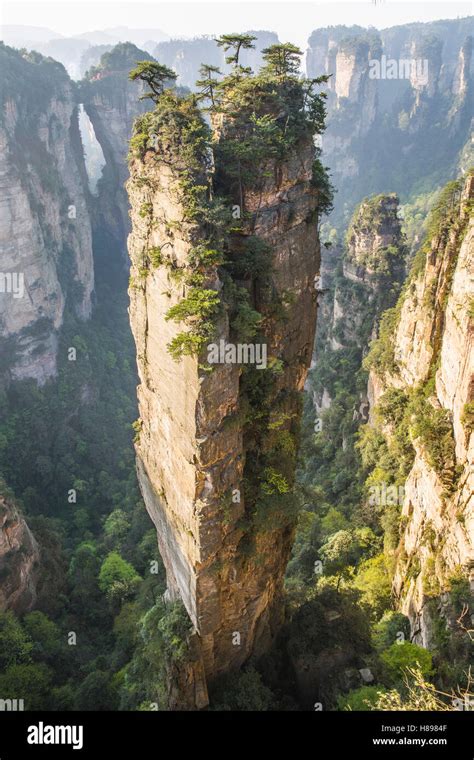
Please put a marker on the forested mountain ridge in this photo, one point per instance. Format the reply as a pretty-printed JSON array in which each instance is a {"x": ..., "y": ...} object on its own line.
[{"x": 421, "y": 392}]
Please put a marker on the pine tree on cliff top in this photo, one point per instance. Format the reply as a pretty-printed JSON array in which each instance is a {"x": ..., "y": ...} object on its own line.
[
  {"x": 208, "y": 84},
  {"x": 236, "y": 42},
  {"x": 155, "y": 75},
  {"x": 282, "y": 60}
]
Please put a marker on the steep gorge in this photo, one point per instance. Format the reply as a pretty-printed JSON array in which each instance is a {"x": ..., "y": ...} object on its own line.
[{"x": 225, "y": 225}]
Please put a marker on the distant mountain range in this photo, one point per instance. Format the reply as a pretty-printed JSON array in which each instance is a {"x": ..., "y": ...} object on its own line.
[{"x": 69, "y": 50}]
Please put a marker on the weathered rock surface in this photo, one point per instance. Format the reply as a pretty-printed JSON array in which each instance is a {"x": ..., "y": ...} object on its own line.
[
  {"x": 19, "y": 560},
  {"x": 435, "y": 330},
  {"x": 112, "y": 102},
  {"x": 45, "y": 232},
  {"x": 192, "y": 447}
]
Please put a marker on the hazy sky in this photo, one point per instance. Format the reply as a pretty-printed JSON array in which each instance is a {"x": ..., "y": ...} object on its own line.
[{"x": 292, "y": 21}]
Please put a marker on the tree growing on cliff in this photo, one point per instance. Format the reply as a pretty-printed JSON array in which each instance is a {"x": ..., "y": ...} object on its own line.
[
  {"x": 282, "y": 60},
  {"x": 236, "y": 42},
  {"x": 208, "y": 83},
  {"x": 155, "y": 75}
]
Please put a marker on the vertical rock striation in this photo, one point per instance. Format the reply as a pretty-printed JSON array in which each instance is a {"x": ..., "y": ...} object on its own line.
[
  {"x": 426, "y": 361},
  {"x": 45, "y": 233},
  {"x": 385, "y": 95},
  {"x": 111, "y": 102},
  {"x": 216, "y": 444}
]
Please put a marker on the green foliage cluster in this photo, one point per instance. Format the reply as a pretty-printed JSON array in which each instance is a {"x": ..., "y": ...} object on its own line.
[
  {"x": 243, "y": 691},
  {"x": 434, "y": 428},
  {"x": 160, "y": 643},
  {"x": 381, "y": 355},
  {"x": 256, "y": 133},
  {"x": 467, "y": 417},
  {"x": 197, "y": 310}
]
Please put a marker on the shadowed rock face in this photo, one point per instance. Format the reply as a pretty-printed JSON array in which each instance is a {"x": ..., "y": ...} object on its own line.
[
  {"x": 435, "y": 331},
  {"x": 19, "y": 560},
  {"x": 195, "y": 446},
  {"x": 45, "y": 232},
  {"x": 112, "y": 102}
]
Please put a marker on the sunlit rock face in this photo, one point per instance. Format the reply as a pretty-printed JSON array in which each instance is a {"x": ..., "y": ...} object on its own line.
[
  {"x": 194, "y": 443},
  {"x": 45, "y": 231},
  {"x": 434, "y": 337}
]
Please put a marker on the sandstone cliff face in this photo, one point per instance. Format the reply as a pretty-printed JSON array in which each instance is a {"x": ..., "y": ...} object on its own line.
[
  {"x": 196, "y": 443},
  {"x": 373, "y": 268},
  {"x": 434, "y": 337},
  {"x": 19, "y": 560},
  {"x": 112, "y": 103},
  {"x": 375, "y": 246},
  {"x": 45, "y": 234}
]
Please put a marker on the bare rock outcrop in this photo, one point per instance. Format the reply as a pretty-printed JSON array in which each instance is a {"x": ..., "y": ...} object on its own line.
[
  {"x": 433, "y": 354},
  {"x": 45, "y": 232},
  {"x": 202, "y": 433},
  {"x": 19, "y": 559}
]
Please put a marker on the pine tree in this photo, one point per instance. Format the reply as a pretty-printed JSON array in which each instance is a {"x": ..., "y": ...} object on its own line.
[
  {"x": 155, "y": 75},
  {"x": 282, "y": 60},
  {"x": 208, "y": 83},
  {"x": 237, "y": 42}
]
